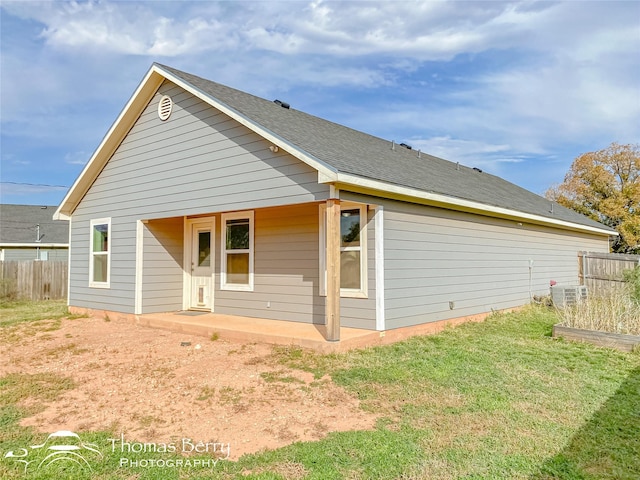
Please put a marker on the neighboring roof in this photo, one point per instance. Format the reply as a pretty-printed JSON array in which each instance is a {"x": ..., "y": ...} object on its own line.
[
  {"x": 347, "y": 158},
  {"x": 19, "y": 226}
]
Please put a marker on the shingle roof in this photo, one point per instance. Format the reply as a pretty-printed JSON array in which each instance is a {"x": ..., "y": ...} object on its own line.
[
  {"x": 353, "y": 152},
  {"x": 18, "y": 224}
]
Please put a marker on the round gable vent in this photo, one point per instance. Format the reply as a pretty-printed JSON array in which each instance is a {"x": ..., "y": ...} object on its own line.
[{"x": 164, "y": 107}]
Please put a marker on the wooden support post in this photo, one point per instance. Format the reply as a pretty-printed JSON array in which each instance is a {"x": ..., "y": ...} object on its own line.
[{"x": 333, "y": 270}]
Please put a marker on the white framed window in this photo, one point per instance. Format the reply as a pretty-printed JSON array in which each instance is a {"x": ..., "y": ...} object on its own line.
[
  {"x": 100, "y": 253},
  {"x": 236, "y": 269},
  {"x": 353, "y": 250}
]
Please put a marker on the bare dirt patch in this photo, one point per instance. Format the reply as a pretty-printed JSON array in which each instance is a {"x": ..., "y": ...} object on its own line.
[{"x": 150, "y": 386}]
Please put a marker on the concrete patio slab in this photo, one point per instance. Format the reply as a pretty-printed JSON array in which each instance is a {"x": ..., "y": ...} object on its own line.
[
  {"x": 277, "y": 332},
  {"x": 247, "y": 329}
]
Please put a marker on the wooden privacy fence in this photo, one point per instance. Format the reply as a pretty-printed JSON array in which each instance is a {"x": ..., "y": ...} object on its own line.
[
  {"x": 34, "y": 280},
  {"x": 603, "y": 271}
]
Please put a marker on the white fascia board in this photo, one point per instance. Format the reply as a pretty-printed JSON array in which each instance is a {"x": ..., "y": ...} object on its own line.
[
  {"x": 327, "y": 178},
  {"x": 323, "y": 168},
  {"x": 119, "y": 129},
  {"x": 460, "y": 204}
]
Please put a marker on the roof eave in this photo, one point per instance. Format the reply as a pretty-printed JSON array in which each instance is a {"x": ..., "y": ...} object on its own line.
[{"x": 399, "y": 192}]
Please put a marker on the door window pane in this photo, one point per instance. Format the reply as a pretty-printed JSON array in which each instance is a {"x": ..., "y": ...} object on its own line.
[{"x": 204, "y": 249}]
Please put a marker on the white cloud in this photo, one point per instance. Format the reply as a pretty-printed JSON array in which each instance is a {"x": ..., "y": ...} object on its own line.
[
  {"x": 123, "y": 27},
  {"x": 564, "y": 99},
  {"x": 471, "y": 153},
  {"x": 455, "y": 148},
  {"x": 420, "y": 30},
  {"x": 489, "y": 84},
  {"x": 572, "y": 41},
  {"x": 76, "y": 158}
]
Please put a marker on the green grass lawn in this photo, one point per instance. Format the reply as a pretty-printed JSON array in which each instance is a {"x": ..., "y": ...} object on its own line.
[
  {"x": 20, "y": 311},
  {"x": 494, "y": 400}
]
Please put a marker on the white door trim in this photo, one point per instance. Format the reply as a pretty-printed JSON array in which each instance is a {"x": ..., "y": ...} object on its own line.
[{"x": 189, "y": 224}]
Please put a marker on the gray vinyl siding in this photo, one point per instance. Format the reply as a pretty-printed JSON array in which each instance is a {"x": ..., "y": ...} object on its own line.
[
  {"x": 435, "y": 256},
  {"x": 197, "y": 162},
  {"x": 287, "y": 275},
  {"x": 286, "y": 271},
  {"x": 163, "y": 258},
  {"x": 120, "y": 296}
]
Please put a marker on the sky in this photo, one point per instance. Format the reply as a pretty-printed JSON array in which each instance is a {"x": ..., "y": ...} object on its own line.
[{"x": 518, "y": 89}]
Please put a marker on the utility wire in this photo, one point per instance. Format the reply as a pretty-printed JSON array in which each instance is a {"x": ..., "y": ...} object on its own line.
[{"x": 37, "y": 184}]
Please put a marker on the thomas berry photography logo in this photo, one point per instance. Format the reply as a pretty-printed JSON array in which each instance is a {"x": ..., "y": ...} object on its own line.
[
  {"x": 60, "y": 448},
  {"x": 64, "y": 451},
  {"x": 138, "y": 454}
]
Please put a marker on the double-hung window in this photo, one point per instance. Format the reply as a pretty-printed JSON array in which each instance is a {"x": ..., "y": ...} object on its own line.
[
  {"x": 353, "y": 250},
  {"x": 100, "y": 261},
  {"x": 237, "y": 251}
]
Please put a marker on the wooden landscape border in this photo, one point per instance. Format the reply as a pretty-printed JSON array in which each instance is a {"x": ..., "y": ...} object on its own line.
[{"x": 619, "y": 341}]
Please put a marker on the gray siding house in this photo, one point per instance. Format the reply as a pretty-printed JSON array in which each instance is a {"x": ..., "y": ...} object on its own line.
[
  {"x": 27, "y": 232},
  {"x": 204, "y": 197}
]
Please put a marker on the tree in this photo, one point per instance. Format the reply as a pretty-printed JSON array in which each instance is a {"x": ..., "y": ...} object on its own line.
[{"x": 605, "y": 186}]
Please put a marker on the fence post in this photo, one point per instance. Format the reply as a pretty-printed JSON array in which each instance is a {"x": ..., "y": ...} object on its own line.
[{"x": 581, "y": 257}]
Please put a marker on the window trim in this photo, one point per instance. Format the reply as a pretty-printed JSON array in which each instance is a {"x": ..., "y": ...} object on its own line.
[
  {"x": 245, "y": 287},
  {"x": 363, "y": 291},
  {"x": 92, "y": 224}
]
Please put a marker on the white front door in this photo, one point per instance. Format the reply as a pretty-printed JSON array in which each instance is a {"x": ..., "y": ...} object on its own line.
[{"x": 200, "y": 286}]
